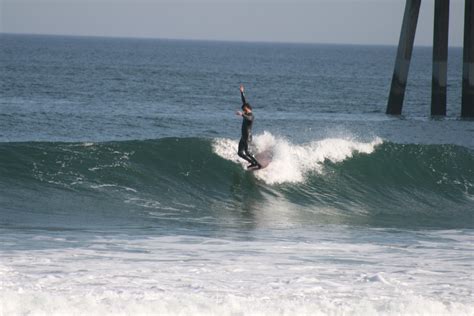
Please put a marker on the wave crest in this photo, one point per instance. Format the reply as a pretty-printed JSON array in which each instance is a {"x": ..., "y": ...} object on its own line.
[{"x": 292, "y": 163}]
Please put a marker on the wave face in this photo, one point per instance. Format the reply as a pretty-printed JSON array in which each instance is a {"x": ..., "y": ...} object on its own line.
[{"x": 193, "y": 181}]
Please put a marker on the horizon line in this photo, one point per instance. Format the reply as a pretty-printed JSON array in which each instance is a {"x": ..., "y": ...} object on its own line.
[{"x": 209, "y": 40}]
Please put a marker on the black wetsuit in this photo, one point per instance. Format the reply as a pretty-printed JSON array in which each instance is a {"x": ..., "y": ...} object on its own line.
[{"x": 246, "y": 136}]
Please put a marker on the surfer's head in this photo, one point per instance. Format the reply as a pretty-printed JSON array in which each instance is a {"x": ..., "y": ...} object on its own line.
[{"x": 246, "y": 107}]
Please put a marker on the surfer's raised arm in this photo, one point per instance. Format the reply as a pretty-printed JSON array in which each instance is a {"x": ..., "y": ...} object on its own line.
[
  {"x": 242, "y": 94},
  {"x": 244, "y": 102}
]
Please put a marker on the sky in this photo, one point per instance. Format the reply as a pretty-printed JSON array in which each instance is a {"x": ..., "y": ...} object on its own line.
[{"x": 303, "y": 21}]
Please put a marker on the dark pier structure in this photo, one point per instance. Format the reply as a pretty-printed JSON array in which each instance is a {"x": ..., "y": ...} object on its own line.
[{"x": 440, "y": 57}]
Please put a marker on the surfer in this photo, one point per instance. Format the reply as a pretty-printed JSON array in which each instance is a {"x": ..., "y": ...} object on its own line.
[{"x": 247, "y": 121}]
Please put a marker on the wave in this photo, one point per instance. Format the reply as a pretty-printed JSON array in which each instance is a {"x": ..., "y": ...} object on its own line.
[{"x": 330, "y": 180}]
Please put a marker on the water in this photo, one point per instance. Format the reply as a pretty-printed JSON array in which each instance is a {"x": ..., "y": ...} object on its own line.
[{"x": 121, "y": 191}]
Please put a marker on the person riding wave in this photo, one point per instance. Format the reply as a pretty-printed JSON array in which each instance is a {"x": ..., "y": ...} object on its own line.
[{"x": 246, "y": 138}]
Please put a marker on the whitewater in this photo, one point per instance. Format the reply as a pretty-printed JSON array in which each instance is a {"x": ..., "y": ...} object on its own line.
[
  {"x": 291, "y": 163},
  {"x": 319, "y": 274}
]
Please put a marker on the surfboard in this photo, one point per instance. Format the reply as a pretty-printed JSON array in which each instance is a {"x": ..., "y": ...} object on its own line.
[{"x": 264, "y": 158}]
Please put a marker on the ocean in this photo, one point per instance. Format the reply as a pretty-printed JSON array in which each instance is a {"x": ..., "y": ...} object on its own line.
[{"x": 121, "y": 192}]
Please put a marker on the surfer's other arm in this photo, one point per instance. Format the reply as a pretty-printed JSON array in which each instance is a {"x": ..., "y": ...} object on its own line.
[{"x": 246, "y": 116}]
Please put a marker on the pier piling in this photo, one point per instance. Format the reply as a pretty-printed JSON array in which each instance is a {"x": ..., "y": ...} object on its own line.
[
  {"x": 440, "y": 57},
  {"x": 467, "y": 103},
  {"x": 402, "y": 63}
]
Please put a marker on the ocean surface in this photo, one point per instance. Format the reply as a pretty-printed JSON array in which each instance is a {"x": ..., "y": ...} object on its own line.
[{"x": 121, "y": 192}]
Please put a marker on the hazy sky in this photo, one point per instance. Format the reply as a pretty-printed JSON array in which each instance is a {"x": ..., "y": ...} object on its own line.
[{"x": 314, "y": 21}]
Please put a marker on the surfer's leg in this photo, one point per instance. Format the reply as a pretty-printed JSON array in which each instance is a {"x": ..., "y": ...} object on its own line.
[
  {"x": 251, "y": 158},
  {"x": 242, "y": 152}
]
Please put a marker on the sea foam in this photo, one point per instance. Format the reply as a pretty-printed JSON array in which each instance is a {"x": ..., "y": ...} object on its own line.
[
  {"x": 291, "y": 163},
  {"x": 192, "y": 275}
]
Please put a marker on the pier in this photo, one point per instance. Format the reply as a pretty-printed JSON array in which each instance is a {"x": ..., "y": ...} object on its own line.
[{"x": 440, "y": 57}]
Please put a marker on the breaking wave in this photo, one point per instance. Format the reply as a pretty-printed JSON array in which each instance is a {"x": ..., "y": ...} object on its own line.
[{"x": 328, "y": 180}]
